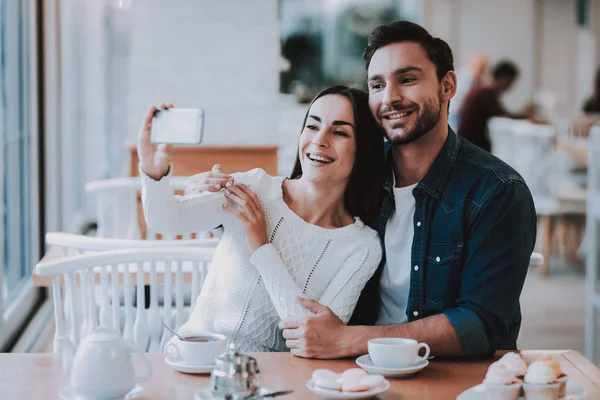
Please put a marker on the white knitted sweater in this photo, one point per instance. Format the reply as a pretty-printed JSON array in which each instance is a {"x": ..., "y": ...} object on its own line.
[{"x": 245, "y": 294}]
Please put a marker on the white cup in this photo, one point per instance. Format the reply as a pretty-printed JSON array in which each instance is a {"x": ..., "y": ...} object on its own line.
[
  {"x": 396, "y": 352},
  {"x": 195, "y": 352}
]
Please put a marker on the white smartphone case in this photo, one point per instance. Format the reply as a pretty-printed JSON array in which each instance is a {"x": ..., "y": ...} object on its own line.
[{"x": 179, "y": 126}]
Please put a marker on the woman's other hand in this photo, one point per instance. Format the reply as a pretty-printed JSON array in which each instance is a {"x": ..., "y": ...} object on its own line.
[
  {"x": 155, "y": 160},
  {"x": 250, "y": 213}
]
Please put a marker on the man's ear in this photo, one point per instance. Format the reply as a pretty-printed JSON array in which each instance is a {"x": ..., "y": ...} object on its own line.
[{"x": 449, "y": 85}]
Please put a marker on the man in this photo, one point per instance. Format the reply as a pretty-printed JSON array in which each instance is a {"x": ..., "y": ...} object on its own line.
[
  {"x": 467, "y": 78},
  {"x": 457, "y": 224},
  {"x": 483, "y": 103}
]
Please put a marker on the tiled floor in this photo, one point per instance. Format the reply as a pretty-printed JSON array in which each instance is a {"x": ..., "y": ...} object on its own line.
[{"x": 553, "y": 309}]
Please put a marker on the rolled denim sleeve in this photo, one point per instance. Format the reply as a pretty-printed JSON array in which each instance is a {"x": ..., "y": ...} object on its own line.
[
  {"x": 502, "y": 233},
  {"x": 470, "y": 331}
]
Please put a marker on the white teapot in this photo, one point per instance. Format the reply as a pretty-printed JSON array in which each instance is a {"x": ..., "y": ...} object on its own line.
[{"x": 102, "y": 367}]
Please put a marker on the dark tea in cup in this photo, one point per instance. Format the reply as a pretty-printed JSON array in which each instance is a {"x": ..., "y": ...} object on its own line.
[{"x": 201, "y": 339}]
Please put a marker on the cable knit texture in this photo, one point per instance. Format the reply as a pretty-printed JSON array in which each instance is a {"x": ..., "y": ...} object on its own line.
[{"x": 246, "y": 294}]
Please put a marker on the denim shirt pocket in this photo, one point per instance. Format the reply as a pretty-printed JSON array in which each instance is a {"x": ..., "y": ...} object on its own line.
[{"x": 442, "y": 273}]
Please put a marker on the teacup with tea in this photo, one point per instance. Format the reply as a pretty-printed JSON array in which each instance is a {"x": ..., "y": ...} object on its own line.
[{"x": 197, "y": 349}]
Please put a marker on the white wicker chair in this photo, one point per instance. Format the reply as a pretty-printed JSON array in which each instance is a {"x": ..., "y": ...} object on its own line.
[
  {"x": 117, "y": 207},
  {"x": 529, "y": 149},
  {"x": 592, "y": 260},
  {"x": 78, "y": 310}
]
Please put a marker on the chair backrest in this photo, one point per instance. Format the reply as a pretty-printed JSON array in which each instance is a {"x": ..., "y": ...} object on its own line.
[
  {"x": 73, "y": 244},
  {"x": 117, "y": 205},
  {"x": 79, "y": 308},
  {"x": 593, "y": 161},
  {"x": 593, "y": 244},
  {"x": 501, "y": 137},
  {"x": 529, "y": 148}
]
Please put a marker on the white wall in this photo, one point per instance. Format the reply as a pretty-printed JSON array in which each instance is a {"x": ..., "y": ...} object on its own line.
[
  {"x": 441, "y": 18},
  {"x": 222, "y": 56},
  {"x": 557, "y": 49},
  {"x": 568, "y": 53}
]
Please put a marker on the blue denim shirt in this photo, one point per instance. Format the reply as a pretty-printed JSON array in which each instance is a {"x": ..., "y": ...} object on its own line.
[{"x": 474, "y": 231}]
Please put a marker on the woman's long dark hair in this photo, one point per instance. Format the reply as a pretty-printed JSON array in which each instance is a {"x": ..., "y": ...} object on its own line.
[{"x": 363, "y": 193}]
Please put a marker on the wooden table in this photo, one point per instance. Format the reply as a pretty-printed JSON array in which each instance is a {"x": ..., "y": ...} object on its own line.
[{"x": 38, "y": 376}]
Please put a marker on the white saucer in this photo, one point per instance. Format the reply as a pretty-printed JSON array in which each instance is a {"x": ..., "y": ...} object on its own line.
[
  {"x": 206, "y": 394},
  {"x": 366, "y": 363},
  {"x": 574, "y": 392},
  {"x": 67, "y": 393},
  {"x": 188, "y": 368},
  {"x": 336, "y": 394}
]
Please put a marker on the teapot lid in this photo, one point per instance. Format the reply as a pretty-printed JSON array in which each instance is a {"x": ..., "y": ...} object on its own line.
[
  {"x": 103, "y": 334},
  {"x": 233, "y": 357}
]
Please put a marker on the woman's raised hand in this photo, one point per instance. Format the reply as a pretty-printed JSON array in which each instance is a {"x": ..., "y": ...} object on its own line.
[{"x": 155, "y": 160}]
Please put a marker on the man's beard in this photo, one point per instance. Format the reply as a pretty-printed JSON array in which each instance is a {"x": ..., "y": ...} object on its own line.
[{"x": 425, "y": 122}]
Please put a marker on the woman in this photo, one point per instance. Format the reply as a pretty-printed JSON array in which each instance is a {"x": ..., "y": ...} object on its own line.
[{"x": 282, "y": 238}]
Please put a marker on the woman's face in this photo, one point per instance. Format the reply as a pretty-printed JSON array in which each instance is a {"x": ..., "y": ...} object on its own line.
[{"x": 328, "y": 144}]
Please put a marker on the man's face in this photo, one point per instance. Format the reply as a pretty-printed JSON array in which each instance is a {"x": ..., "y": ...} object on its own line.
[{"x": 404, "y": 91}]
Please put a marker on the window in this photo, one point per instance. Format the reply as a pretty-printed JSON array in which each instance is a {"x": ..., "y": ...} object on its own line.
[
  {"x": 322, "y": 41},
  {"x": 19, "y": 185}
]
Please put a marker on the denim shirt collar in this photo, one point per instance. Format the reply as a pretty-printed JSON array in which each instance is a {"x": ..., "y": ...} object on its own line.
[{"x": 433, "y": 182}]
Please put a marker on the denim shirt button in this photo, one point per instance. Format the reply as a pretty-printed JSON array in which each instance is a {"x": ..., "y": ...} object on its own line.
[
  {"x": 416, "y": 267},
  {"x": 419, "y": 223},
  {"x": 416, "y": 313},
  {"x": 437, "y": 259}
]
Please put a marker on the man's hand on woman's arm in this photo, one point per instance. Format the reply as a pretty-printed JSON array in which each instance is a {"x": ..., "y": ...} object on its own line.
[{"x": 323, "y": 335}]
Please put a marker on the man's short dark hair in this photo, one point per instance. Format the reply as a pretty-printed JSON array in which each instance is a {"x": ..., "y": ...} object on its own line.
[
  {"x": 437, "y": 50},
  {"x": 505, "y": 69}
]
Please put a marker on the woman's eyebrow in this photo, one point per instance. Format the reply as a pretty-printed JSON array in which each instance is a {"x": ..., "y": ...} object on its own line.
[
  {"x": 336, "y": 122},
  {"x": 339, "y": 122}
]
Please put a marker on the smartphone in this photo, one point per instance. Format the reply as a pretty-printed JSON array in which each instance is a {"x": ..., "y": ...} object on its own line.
[{"x": 179, "y": 126}]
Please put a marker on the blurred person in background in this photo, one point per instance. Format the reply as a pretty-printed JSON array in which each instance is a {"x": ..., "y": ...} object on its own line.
[
  {"x": 483, "y": 102},
  {"x": 592, "y": 105},
  {"x": 467, "y": 78}
]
